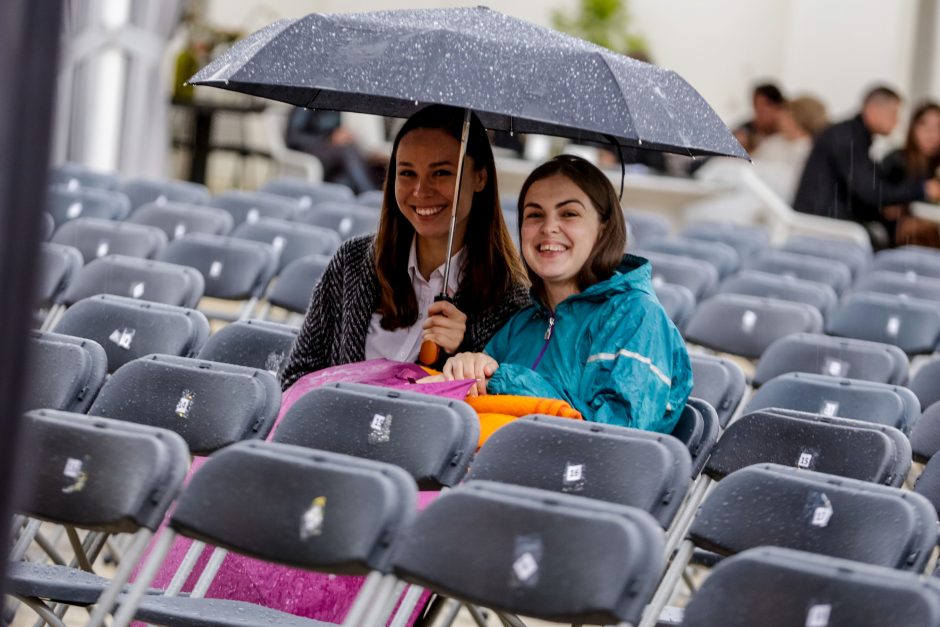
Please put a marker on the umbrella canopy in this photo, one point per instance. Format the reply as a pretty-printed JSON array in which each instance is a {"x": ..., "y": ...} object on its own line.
[{"x": 514, "y": 75}]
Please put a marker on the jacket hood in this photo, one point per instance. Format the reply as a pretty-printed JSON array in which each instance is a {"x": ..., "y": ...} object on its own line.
[{"x": 633, "y": 274}]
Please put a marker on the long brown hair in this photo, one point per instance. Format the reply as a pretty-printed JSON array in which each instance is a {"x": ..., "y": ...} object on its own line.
[
  {"x": 492, "y": 264},
  {"x": 917, "y": 165},
  {"x": 607, "y": 253}
]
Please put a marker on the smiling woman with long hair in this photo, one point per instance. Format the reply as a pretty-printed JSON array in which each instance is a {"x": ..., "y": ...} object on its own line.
[
  {"x": 376, "y": 297},
  {"x": 594, "y": 335}
]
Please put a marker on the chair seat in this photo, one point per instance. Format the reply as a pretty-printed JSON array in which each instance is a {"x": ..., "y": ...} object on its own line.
[
  {"x": 190, "y": 612},
  {"x": 57, "y": 583}
]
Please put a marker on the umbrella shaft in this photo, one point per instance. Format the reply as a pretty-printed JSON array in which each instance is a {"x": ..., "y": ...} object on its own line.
[{"x": 464, "y": 134}]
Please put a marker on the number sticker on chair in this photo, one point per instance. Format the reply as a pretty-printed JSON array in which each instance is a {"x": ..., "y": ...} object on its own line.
[
  {"x": 311, "y": 523},
  {"x": 526, "y": 559},
  {"x": 380, "y": 429}
]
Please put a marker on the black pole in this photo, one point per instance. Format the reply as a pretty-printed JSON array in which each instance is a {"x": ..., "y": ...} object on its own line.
[{"x": 29, "y": 32}]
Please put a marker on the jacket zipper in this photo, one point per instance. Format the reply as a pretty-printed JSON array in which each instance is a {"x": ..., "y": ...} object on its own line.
[{"x": 548, "y": 338}]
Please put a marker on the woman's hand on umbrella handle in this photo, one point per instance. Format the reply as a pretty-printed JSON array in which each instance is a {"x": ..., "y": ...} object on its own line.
[
  {"x": 445, "y": 326},
  {"x": 479, "y": 366}
]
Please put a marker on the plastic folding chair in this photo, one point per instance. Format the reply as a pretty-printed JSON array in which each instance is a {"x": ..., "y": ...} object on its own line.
[
  {"x": 766, "y": 285},
  {"x": 77, "y": 175},
  {"x": 589, "y": 460},
  {"x": 698, "y": 428},
  {"x": 924, "y": 382},
  {"x": 65, "y": 372},
  {"x": 925, "y": 436},
  {"x": 211, "y": 405},
  {"x": 348, "y": 219},
  {"x": 307, "y": 193},
  {"x": 745, "y": 590},
  {"x": 140, "y": 279},
  {"x": 291, "y": 240},
  {"x": 517, "y": 548},
  {"x": 836, "y": 357},
  {"x": 95, "y": 238},
  {"x": 246, "y": 206},
  {"x": 723, "y": 257},
  {"x": 746, "y": 325},
  {"x": 855, "y": 256},
  {"x": 142, "y": 191},
  {"x": 837, "y": 446},
  {"x": 253, "y": 343},
  {"x": 48, "y": 226},
  {"x": 178, "y": 219},
  {"x": 911, "y": 324},
  {"x": 294, "y": 285},
  {"x": 719, "y": 382},
  {"x": 699, "y": 278},
  {"x": 373, "y": 199},
  {"x": 58, "y": 266},
  {"x": 747, "y": 240},
  {"x": 829, "y": 272},
  {"x": 642, "y": 227},
  {"x": 769, "y": 504},
  {"x": 678, "y": 301},
  {"x": 897, "y": 284},
  {"x": 915, "y": 260},
  {"x": 66, "y": 204},
  {"x": 891, "y": 405},
  {"x": 234, "y": 269},
  {"x": 97, "y": 474},
  {"x": 288, "y": 505},
  {"x": 129, "y": 329},
  {"x": 433, "y": 438}
]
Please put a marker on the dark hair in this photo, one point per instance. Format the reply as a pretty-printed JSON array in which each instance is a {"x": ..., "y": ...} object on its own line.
[
  {"x": 492, "y": 264},
  {"x": 880, "y": 93},
  {"x": 769, "y": 91},
  {"x": 608, "y": 251},
  {"x": 916, "y": 164}
]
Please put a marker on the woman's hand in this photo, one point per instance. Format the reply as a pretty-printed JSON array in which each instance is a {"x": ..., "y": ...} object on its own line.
[
  {"x": 479, "y": 366},
  {"x": 445, "y": 326}
]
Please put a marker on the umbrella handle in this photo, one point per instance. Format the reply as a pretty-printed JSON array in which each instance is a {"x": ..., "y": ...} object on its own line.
[{"x": 430, "y": 353}]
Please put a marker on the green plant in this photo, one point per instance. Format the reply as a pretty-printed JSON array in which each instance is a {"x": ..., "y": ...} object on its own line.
[{"x": 603, "y": 22}]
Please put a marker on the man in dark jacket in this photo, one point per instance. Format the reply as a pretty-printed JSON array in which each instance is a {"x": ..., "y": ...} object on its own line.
[{"x": 840, "y": 179}]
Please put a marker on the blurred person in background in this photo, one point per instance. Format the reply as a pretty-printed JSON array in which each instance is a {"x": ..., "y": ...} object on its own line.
[{"x": 769, "y": 103}]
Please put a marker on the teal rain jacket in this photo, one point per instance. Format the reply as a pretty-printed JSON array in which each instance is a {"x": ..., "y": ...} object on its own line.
[{"x": 610, "y": 351}]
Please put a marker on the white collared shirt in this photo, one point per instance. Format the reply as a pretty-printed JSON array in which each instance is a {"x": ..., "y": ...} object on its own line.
[{"x": 404, "y": 344}]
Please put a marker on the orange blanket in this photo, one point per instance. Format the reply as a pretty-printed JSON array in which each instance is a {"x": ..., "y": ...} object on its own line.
[{"x": 496, "y": 410}]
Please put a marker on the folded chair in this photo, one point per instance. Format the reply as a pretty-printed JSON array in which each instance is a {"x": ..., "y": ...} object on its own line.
[
  {"x": 766, "y": 285},
  {"x": 642, "y": 226},
  {"x": 57, "y": 264},
  {"x": 909, "y": 260},
  {"x": 176, "y": 219},
  {"x": 769, "y": 504},
  {"x": 925, "y": 436},
  {"x": 307, "y": 193},
  {"x": 899, "y": 284},
  {"x": 74, "y": 175},
  {"x": 838, "y": 357},
  {"x": 777, "y": 587},
  {"x": 97, "y": 474},
  {"x": 294, "y": 285},
  {"x": 211, "y": 405},
  {"x": 253, "y": 343},
  {"x": 47, "y": 226},
  {"x": 891, "y": 405},
  {"x": 157, "y": 190},
  {"x": 373, "y": 199},
  {"x": 140, "y": 279},
  {"x": 431, "y": 437},
  {"x": 829, "y": 272},
  {"x": 517, "y": 548},
  {"x": 234, "y": 269},
  {"x": 719, "y": 382},
  {"x": 291, "y": 240},
  {"x": 95, "y": 238},
  {"x": 678, "y": 301},
  {"x": 348, "y": 219},
  {"x": 723, "y": 257},
  {"x": 128, "y": 328},
  {"x": 65, "y": 372},
  {"x": 699, "y": 278},
  {"x": 746, "y": 326},
  {"x": 853, "y": 255},
  {"x": 911, "y": 324},
  {"x": 65, "y": 203},
  {"x": 924, "y": 382},
  {"x": 748, "y": 240},
  {"x": 250, "y": 206}
]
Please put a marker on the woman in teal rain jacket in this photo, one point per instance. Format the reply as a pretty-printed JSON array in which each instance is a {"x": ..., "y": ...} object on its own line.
[{"x": 595, "y": 335}]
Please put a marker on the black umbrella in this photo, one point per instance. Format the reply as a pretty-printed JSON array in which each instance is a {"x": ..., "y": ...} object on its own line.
[{"x": 516, "y": 76}]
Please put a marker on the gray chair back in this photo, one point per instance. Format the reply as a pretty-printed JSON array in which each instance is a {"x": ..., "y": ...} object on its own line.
[
  {"x": 96, "y": 238},
  {"x": 140, "y": 279},
  {"x": 65, "y": 372}
]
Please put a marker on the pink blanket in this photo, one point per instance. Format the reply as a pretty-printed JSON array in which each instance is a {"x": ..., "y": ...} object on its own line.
[{"x": 304, "y": 593}]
